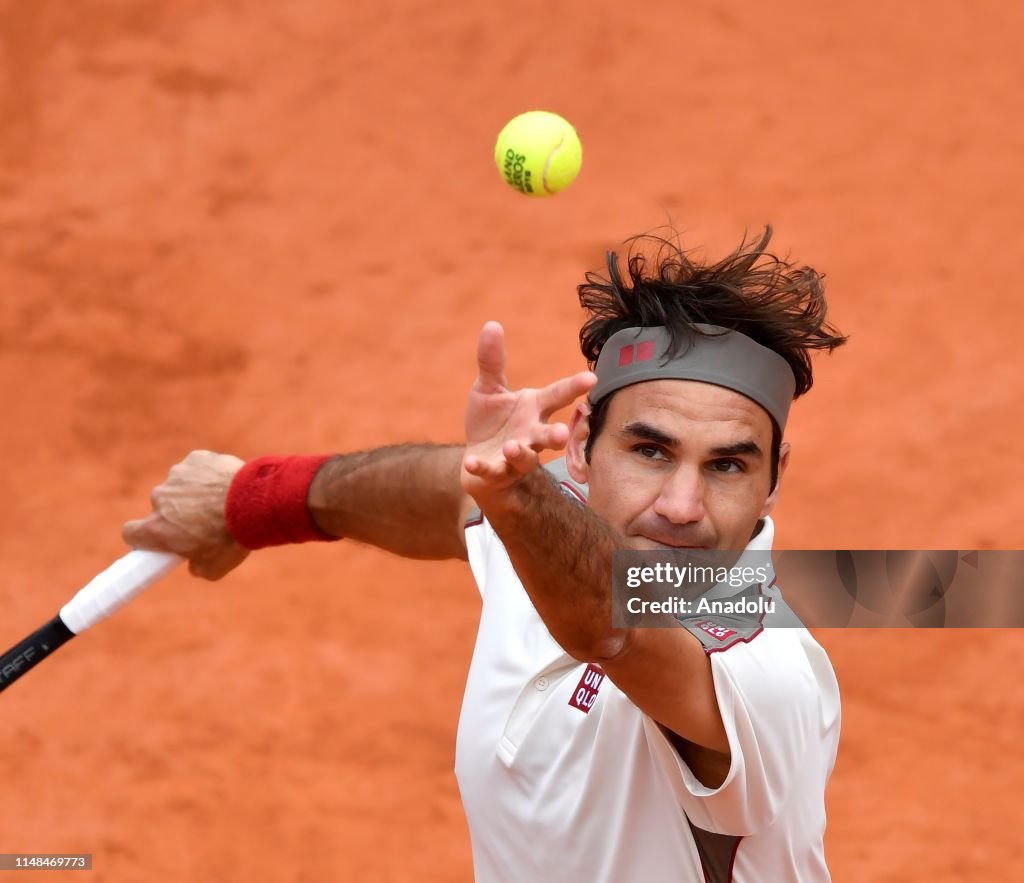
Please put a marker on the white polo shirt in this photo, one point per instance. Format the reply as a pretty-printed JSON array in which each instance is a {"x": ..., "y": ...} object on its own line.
[{"x": 565, "y": 780}]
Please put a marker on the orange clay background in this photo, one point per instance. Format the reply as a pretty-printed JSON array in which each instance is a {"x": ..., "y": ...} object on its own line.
[{"x": 277, "y": 227}]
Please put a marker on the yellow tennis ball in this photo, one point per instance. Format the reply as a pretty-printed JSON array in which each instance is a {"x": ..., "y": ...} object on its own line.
[{"x": 538, "y": 153}]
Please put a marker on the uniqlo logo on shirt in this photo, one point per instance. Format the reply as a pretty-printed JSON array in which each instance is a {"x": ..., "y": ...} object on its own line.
[
  {"x": 585, "y": 694},
  {"x": 719, "y": 632}
]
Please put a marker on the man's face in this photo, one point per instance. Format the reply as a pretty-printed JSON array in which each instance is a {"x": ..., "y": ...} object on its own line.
[{"x": 679, "y": 464}]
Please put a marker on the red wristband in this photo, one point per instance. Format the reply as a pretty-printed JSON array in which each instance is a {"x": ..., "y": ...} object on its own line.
[{"x": 266, "y": 503}]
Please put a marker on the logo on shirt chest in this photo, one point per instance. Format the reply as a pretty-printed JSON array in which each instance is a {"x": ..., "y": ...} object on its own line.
[{"x": 585, "y": 694}]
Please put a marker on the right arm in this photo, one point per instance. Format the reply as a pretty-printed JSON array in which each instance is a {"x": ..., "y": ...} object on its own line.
[{"x": 405, "y": 499}]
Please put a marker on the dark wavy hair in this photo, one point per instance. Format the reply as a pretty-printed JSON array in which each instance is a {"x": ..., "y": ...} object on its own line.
[{"x": 776, "y": 302}]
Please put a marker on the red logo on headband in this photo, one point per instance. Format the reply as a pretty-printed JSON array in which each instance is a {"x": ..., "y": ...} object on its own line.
[{"x": 641, "y": 352}]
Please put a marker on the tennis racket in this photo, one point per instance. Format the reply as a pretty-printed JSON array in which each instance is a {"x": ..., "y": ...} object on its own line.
[{"x": 107, "y": 593}]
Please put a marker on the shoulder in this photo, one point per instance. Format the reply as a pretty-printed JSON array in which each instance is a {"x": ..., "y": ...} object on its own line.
[
  {"x": 755, "y": 642},
  {"x": 721, "y": 624},
  {"x": 559, "y": 472}
]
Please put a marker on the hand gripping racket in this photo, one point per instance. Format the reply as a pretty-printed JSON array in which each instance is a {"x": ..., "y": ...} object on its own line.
[{"x": 108, "y": 592}]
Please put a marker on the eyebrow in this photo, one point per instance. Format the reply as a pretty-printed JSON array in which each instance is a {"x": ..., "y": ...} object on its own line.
[
  {"x": 646, "y": 432},
  {"x": 747, "y": 448}
]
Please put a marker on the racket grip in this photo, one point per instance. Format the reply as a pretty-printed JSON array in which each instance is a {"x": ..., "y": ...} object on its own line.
[{"x": 115, "y": 587}]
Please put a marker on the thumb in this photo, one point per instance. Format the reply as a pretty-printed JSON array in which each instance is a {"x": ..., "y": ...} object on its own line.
[
  {"x": 141, "y": 533},
  {"x": 491, "y": 357}
]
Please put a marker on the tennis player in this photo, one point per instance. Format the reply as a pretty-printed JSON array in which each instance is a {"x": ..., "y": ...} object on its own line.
[{"x": 588, "y": 753}]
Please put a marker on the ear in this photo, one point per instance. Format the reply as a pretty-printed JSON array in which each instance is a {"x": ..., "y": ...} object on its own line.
[
  {"x": 579, "y": 432},
  {"x": 773, "y": 497}
]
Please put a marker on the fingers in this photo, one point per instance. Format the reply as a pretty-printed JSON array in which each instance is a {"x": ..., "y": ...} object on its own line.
[
  {"x": 564, "y": 392},
  {"x": 549, "y": 437},
  {"x": 154, "y": 532},
  {"x": 506, "y": 432},
  {"x": 486, "y": 470},
  {"x": 220, "y": 565},
  {"x": 518, "y": 457},
  {"x": 516, "y": 460},
  {"x": 521, "y": 458},
  {"x": 490, "y": 356},
  {"x": 188, "y": 515}
]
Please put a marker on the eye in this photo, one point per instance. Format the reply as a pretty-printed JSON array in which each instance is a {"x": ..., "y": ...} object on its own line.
[
  {"x": 649, "y": 452},
  {"x": 728, "y": 465}
]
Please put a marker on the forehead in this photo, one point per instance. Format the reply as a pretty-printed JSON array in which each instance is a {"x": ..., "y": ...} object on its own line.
[{"x": 689, "y": 407}]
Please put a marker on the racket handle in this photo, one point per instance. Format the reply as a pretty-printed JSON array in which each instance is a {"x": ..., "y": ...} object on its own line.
[{"x": 115, "y": 587}]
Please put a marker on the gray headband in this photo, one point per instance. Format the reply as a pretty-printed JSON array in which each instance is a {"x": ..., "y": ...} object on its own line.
[{"x": 725, "y": 358}]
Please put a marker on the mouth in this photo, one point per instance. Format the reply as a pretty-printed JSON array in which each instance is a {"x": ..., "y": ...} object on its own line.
[{"x": 657, "y": 545}]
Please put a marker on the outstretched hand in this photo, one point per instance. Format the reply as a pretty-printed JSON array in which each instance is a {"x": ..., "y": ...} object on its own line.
[{"x": 507, "y": 429}]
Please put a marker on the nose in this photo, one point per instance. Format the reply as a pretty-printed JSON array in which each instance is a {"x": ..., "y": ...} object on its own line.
[{"x": 681, "y": 500}]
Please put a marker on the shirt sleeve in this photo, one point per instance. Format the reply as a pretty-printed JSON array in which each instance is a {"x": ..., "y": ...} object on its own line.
[
  {"x": 483, "y": 545},
  {"x": 769, "y": 699},
  {"x": 480, "y": 540}
]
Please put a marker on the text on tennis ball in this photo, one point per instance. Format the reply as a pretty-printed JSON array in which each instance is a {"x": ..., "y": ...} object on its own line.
[{"x": 516, "y": 173}]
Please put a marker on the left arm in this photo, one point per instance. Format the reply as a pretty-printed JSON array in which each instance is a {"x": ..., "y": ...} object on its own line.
[{"x": 563, "y": 553}]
